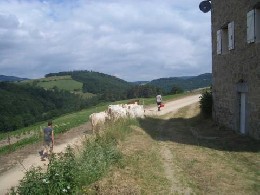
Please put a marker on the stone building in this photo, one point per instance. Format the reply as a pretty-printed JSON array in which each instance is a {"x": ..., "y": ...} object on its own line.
[{"x": 236, "y": 65}]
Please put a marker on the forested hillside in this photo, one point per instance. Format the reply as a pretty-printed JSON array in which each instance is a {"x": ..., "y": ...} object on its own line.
[
  {"x": 185, "y": 83},
  {"x": 11, "y": 78},
  {"x": 143, "y": 91},
  {"x": 23, "y": 105},
  {"x": 111, "y": 87}
]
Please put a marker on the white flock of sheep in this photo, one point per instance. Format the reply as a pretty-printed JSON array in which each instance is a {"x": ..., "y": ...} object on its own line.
[{"x": 115, "y": 112}]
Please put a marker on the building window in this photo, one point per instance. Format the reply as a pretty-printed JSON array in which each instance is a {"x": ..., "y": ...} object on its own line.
[
  {"x": 253, "y": 26},
  {"x": 226, "y": 38}
]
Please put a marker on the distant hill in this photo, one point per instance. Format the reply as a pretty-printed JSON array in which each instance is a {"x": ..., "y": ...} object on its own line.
[
  {"x": 110, "y": 87},
  {"x": 140, "y": 82},
  {"x": 61, "y": 82},
  {"x": 11, "y": 78},
  {"x": 185, "y": 83},
  {"x": 23, "y": 105},
  {"x": 113, "y": 88}
]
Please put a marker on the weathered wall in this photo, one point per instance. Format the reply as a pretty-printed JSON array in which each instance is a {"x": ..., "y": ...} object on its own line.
[{"x": 242, "y": 63}]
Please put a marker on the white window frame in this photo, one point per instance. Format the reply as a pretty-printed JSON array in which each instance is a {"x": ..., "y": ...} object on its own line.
[
  {"x": 257, "y": 25},
  {"x": 219, "y": 42},
  {"x": 253, "y": 26},
  {"x": 226, "y": 38},
  {"x": 231, "y": 35}
]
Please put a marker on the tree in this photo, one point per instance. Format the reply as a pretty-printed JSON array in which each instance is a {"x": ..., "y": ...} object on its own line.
[{"x": 176, "y": 89}]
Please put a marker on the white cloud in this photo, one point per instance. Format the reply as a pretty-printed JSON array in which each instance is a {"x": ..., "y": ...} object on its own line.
[{"x": 135, "y": 39}]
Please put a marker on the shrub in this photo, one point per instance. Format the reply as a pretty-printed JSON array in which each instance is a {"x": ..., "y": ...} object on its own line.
[
  {"x": 58, "y": 179},
  {"x": 206, "y": 103},
  {"x": 68, "y": 174}
]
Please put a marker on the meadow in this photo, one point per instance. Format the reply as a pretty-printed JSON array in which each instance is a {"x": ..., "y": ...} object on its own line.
[
  {"x": 14, "y": 140},
  {"x": 61, "y": 82}
]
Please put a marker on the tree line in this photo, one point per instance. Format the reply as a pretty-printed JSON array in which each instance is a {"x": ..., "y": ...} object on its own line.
[
  {"x": 111, "y": 88},
  {"x": 23, "y": 105}
]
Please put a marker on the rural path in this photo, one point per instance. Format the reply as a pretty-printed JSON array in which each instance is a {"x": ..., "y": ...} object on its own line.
[
  {"x": 172, "y": 106},
  {"x": 18, "y": 162}
]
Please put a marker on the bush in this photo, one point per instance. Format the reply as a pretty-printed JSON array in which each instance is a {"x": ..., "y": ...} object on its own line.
[
  {"x": 58, "y": 179},
  {"x": 206, "y": 103},
  {"x": 68, "y": 174}
]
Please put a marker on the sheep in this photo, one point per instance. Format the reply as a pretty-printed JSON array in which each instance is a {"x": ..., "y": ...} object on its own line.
[
  {"x": 98, "y": 119},
  {"x": 136, "y": 111},
  {"x": 126, "y": 110},
  {"x": 116, "y": 112}
]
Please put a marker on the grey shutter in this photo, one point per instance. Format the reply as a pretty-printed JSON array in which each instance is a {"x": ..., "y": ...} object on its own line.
[
  {"x": 251, "y": 26},
  {"x": 231, "y": 35},
  {"x": 257, "y": 25},
  {"x": 219, "y": 45}
]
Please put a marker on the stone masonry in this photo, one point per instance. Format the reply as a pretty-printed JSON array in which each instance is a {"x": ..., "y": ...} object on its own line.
[{"x": 235, "y": 71}]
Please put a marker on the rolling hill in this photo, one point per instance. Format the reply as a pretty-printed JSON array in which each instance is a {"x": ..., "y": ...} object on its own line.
[
  {"x": 90, "y": 82},
  {"x": 26, "y": 102},
  {"x": 61, "y": 82},
  {"x": 110, "y": 87},
  {"x": 11, "y": 78},
  {"x": 185, "y": 83}
]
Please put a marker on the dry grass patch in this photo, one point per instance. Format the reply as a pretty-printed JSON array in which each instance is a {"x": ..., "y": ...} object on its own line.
[
  {"x": 226, "y": 164},
  {"x": 183, "y": 153},
  {"x": 141, "y": 171}
]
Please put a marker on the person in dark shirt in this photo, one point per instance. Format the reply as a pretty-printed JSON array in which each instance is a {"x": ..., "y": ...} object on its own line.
[{"x": 48, "y": 141}]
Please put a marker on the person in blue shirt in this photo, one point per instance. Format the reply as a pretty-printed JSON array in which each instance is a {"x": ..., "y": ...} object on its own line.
[{"x": 48, "y": 141}]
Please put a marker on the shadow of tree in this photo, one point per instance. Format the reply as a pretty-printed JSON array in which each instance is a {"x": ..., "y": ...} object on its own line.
[{"x": 198, "y": 131}]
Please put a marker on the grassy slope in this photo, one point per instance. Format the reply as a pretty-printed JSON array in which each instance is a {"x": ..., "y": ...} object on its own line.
[
  {"x": 62, "y": 82},
  {"x": 209, "y": 161},
  {"x": 215, "y": 162},
  {"x": 32, "y": 133}
]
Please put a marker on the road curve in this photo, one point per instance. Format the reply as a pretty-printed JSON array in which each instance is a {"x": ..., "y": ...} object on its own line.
[{"x": 172, "y": 106}]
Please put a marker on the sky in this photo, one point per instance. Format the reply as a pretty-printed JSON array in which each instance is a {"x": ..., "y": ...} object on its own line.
[{"x": 134, "y": 40}]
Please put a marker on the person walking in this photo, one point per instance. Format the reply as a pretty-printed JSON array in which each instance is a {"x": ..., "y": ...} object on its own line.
[
  {"x": 48, "y": 141},
  {"x": 159, "y": 101}
]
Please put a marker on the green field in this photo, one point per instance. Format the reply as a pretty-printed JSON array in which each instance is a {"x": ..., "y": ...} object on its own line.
[
  {"x": 63, "y": 123},
  {"x": 61, "y": 82}
]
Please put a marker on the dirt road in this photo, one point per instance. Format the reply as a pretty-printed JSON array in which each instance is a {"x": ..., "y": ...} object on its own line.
[
  {"x": 15, "y": 164},
  {"x": 173, "y": 106}
]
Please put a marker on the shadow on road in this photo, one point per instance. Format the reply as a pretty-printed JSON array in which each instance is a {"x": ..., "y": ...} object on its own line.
[{"x": 198, "y": 131}]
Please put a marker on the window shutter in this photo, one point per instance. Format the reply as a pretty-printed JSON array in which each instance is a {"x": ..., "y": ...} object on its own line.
[
  {"x": 219, "y": 46},
  {"x": 257, "y": 25},
  {"x": 251, "y": 26},
  {"x": 231, "y": 35}
]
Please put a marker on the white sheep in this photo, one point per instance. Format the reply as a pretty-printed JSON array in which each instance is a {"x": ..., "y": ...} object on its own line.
[
  {"x": 97, "y": 120},
  {"x": 116, "y": 112},
  {"x": 135, "y": 111}
]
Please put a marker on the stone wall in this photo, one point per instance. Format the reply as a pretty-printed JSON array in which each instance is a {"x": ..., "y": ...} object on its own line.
[{"x": 240, "y": 66}]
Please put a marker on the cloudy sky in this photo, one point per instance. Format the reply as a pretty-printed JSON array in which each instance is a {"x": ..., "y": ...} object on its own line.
[{"x": 131, "y": 39}]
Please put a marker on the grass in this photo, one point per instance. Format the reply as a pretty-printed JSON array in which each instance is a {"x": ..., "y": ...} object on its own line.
[
  {"x": 161, "y": 155},
  {"x": 63, "y": 123},
  {"x": 213, "y": 161},
  {"x": 62, "y": 82}
]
